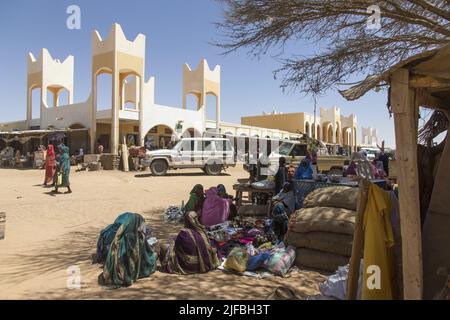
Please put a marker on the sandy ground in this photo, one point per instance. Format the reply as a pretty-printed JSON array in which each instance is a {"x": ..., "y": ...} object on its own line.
[{"x": 46, "y": 234}]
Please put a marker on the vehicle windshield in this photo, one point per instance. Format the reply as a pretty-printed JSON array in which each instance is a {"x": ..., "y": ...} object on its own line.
[
  {"x": 177, "y": 146},
  {"x": 284, "y": 148}
]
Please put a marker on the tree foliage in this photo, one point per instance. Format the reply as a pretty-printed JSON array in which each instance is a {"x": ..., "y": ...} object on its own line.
[{"x": 344, "y": 45}]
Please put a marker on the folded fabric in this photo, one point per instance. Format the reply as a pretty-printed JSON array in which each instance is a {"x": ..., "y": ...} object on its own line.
[
  {"x": 281, "y": 260},
  {"x": 237, "y": 259},
  {"x": 256, "y": 262},
  {"x": 246, "y": 240}
]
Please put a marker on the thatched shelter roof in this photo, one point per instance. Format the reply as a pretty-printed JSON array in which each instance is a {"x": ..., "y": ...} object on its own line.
[{"x": 432, "y": 69}]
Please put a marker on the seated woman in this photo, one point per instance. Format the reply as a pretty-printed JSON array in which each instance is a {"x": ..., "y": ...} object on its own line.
[
  {"x": 191, "y": 252},
  {"x": 284, "y": 206},
  {"x": 222, "y": 192},
  {"x": 126, "y": 254},
  {"x": 196, "y": 198},
  {"x": 304, "y": 170},
  {"x": 360, "y": 166},
  {"x": 215, "y": 208}
]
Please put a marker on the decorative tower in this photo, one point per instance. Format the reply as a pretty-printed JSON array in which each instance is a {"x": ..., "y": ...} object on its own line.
[
  {"x": 119, "y": 57},
  {"x": 48, "y": 74},
  {"x": 201, "y": 82}
]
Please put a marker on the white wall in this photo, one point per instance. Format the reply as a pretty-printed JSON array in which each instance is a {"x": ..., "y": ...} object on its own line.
[{"x": 67, "y": 115}]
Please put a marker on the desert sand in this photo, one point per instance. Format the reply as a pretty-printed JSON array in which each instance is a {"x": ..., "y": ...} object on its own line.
[{"x": 46, "y": 234}]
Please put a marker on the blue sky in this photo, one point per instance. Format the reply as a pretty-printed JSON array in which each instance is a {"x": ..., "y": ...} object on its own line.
[{"x": 176, "y": 32}]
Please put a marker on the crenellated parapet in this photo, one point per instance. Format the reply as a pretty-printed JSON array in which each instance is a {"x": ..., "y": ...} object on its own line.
[{"x": 50, "y": 74}]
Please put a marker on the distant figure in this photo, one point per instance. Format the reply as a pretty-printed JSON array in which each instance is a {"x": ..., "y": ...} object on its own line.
[
  {"x": 384, "y": 158},
  {"x": 49, "y": 165},
  {"x": 17, "y": 159},
  {"x": 64, "y": 169},
  {"x": 304, "y": 170},
  {"x": 162, "y": 143},
  {"x": 100, "y": 147},
  {"x": 80, "y": 156},
  {"x": 291, "y": 173},
  {"x": 148, "y": 144},
  {"x": 281, "y": 175},
  {"x": 360, "y": 166}
]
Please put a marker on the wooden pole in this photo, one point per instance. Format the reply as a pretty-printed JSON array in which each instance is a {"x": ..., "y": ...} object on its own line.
[
  {"x": 358, "y": 241},
  {"x": 406, "y": 118}
]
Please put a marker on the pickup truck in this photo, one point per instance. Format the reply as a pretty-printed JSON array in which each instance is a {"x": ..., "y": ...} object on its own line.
[
  {"x": 295, "y": 152},
  {"x": 211, "y": 155}
]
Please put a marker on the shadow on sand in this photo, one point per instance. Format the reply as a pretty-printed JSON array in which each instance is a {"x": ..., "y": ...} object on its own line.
[{"x": 77, "y": 247}]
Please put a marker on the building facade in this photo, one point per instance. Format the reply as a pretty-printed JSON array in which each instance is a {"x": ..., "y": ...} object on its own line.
[
  {"x": 133, "y": 114},
  {"x": 330, "y": 125},
  {"x": 369, "y": 137}
]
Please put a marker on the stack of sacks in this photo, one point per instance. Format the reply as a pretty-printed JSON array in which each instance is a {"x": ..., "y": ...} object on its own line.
[{"x": 322, "y": 231}]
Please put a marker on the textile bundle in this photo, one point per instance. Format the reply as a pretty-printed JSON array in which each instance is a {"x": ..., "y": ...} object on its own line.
[{"x": 322, "y": 231}]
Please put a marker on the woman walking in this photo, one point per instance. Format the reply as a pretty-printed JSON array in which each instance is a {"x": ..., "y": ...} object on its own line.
[
  {"x": 49, "y": 165},
  {"x": 64, "y": 161}
]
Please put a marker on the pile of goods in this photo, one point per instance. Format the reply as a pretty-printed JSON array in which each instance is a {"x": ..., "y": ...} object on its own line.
[
  {"x": 173, "y": 214},
  {"x": 248, "y": 245},
  {"x": 137, "y": 151},
  {"x": 110, "y": 161},
  {"x": 335, "y": 286},
  {"x": 322, "y": 231}
]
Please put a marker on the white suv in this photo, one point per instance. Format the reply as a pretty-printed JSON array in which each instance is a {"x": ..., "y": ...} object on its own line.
[{"x": 211, "y": 155}]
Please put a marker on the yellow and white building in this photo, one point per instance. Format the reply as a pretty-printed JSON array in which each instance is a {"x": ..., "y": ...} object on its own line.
[{"x": 133, "y": 109}]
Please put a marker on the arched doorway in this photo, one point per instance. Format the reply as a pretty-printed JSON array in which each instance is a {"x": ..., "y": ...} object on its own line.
[
  {"x": 77, "y": 139},
  {"x": 35, "y": 102},
  {"x": 212, "y": 108},
  {"x": 193, "y": 101},
  {"x": 130, "y": 95},
  {"x": 160, "y": 137},
  {"x": 330, "y": 133},
  {"x": 307, "y": 128},
  {"x": 346, "y": 136},
  {"x": 103, "y": 90},
  {"x": 338, "y": 133},
  {"x": 56, "y": 96},
  {"x": 191, "y": 133},
  {"x": 327, "y": 135}
]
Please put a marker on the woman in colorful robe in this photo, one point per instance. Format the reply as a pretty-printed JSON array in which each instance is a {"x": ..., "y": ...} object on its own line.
[
  {"x": 196, "y": 198},
  {"x": 216, "y": 209},
  {"x": 64, "y": 160},
  {"x": 191, "y": 252},
  {"x": 49, "y": 165},
  {"x": 126, "y": 254}
]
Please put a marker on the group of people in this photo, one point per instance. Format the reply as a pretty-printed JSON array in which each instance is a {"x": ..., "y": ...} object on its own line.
[
  {"x": 57, "y": 168},
  {"x": 361, "y": 166},
  {"x": 192, "y": 251}
]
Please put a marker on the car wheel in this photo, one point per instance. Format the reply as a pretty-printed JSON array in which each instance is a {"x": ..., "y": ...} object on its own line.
[
  {"x": 159, "y": 167},
  {"x": 213, "y": 169}
]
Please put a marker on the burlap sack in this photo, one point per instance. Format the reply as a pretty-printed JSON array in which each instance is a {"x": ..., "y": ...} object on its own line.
[
  {"x": 315, "y": 259},
  {"x": 324, "y": 241},
  {"x": 323, "y": 219},
  {"x": 337, "y": 197}
]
